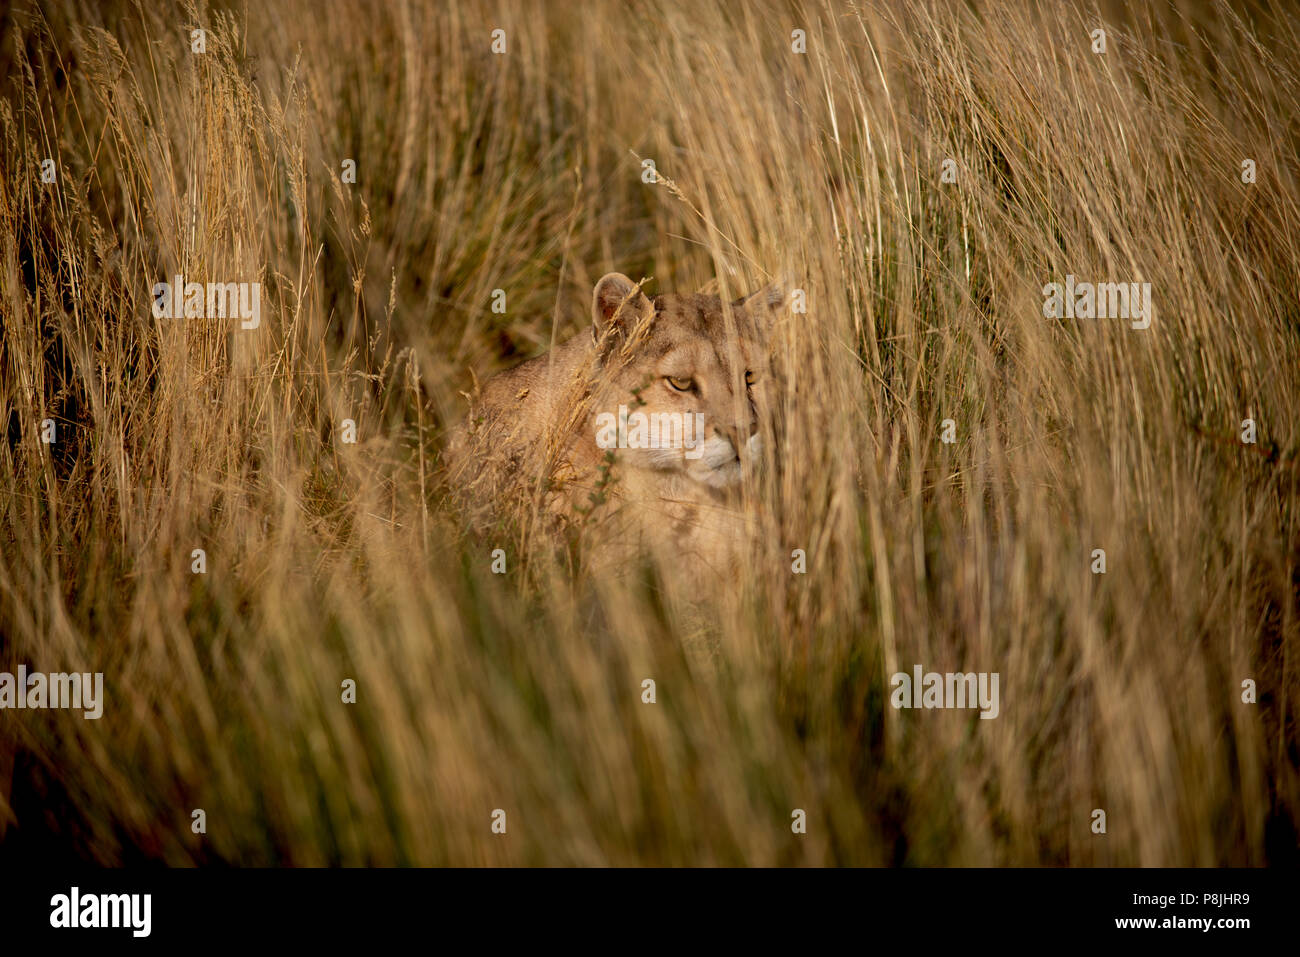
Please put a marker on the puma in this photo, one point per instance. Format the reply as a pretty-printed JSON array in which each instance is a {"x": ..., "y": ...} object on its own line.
[{"x": 692, "y": 364}]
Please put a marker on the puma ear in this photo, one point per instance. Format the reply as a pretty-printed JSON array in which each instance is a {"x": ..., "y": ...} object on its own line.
[
  {"x": 771, "y": 296},
  {"x": 619, "y": 302}
]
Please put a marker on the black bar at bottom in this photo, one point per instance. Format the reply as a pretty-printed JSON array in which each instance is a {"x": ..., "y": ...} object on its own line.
[{"x": 645, "y": 907}]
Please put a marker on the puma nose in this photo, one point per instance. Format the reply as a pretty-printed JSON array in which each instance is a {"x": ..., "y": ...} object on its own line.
[
  {"x": 742, "y": 436},
  {"x": 749, "y": 427}
]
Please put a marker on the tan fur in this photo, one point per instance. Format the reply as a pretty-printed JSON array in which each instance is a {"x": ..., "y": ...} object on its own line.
[{"x": 538, "y": 421}]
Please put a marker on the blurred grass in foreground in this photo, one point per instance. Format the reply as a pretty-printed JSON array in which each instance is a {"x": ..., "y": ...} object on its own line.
[{"x": 521, "y": 172}]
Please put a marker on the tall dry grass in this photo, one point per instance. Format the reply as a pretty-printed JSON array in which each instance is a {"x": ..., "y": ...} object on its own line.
[{"x": 521, "y": 172}]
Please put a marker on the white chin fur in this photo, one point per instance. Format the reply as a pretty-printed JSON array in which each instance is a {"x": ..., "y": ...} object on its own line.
[
  {"x": 717, "y": 465},
  {"x": 724, "y": 476}
]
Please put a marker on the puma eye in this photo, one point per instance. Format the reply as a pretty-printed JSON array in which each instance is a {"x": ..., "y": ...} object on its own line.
[
  {"x": 681, "y": 385},
  {"x": 749, "y": 377}
]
